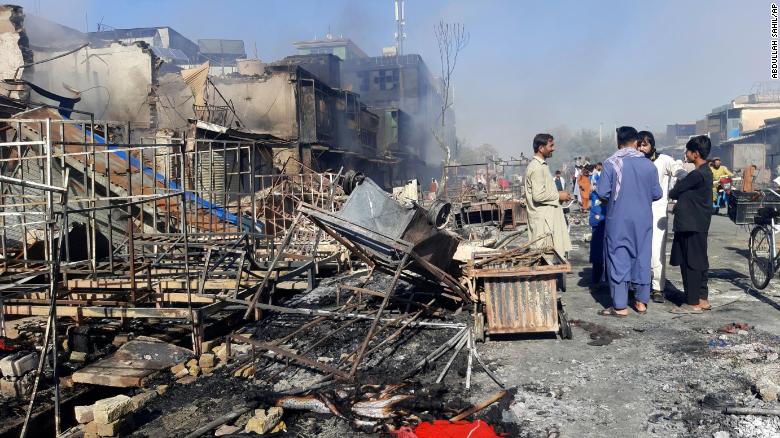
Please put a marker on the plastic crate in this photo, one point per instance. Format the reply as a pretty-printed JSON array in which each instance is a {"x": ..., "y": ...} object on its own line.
[{"x": 743, "y": 206}]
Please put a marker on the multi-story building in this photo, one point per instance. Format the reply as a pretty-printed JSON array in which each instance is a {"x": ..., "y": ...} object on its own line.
[
  {"x": 343, "y": 48},
  {"x": 743, "y": 114}
]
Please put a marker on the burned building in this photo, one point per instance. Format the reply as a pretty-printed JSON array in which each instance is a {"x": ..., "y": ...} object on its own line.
[
  {"x": 168, "y": 44},
  {"x": 401, "y": 91}
]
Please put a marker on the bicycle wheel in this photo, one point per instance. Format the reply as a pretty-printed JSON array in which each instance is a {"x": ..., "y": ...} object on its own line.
[{"x": 760, "y": 260}]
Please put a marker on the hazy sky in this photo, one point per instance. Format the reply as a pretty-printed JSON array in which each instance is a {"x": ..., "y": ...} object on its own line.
[{"x": 530, "y": 65}]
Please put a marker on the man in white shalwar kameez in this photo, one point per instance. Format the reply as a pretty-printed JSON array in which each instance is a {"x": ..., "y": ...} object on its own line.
[{"x": 667, "y": 170}]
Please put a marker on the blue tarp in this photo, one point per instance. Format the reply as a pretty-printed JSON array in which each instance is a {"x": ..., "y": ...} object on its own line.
[{"x": 216, "y": 210}]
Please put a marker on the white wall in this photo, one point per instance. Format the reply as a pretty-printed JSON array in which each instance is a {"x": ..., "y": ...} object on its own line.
[{"x": 115, "y": 81}]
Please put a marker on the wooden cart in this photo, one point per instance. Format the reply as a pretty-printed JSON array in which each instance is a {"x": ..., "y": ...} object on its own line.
[{"x": 517, "y": 292}]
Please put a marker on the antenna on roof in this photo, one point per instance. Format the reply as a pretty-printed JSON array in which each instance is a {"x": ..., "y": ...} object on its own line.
[{"x": 400, "y": 21}]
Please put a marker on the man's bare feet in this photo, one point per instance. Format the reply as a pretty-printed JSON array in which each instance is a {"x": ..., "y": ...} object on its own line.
[
  {"x": 640, "y": 307},
  {"x": 705, "y": 305}
]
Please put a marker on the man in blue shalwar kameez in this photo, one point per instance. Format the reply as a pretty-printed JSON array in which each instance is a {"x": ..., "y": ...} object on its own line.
[{"x": 629, "y": 184}]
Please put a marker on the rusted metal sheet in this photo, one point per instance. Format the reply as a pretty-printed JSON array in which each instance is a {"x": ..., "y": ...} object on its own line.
[
  {"x": 521, "y": 304},
  {"x": 519, "y": 289}
]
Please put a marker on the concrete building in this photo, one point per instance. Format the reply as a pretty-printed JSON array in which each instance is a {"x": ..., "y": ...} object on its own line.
[
  {"x": 343, "y": 48},
  {"x": 403, "y": 93},
  {"x": 741, "y": 115},
  {"x": 679, "y": 133}
]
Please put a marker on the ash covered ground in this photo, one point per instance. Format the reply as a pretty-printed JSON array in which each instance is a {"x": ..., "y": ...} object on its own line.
[{"x": 653, "y": 375}]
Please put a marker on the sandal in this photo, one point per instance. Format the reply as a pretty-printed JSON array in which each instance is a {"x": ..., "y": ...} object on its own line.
[
  {"x": 686, "y": 309},
  {"x": 610, "y": 311},
  {"x": 636, "y": 308}
]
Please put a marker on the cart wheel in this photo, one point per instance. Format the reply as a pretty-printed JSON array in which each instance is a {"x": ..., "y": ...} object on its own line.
[
  {"x": 479, "y": 327},
  {"x": 562, "y": 282},
  {"x": 563, "y": 323}
]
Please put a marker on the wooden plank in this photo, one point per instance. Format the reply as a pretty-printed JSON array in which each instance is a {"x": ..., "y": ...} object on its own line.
[
  {"x": 132, "y": 363},
  {"x": 96, "y": 312}
]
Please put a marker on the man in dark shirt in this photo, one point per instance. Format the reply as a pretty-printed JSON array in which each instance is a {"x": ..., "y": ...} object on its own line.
[{"x": 691, "y": 225}]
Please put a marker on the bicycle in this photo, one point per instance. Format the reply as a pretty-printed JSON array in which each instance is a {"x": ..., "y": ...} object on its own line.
[{"x": 763, "y": 259}]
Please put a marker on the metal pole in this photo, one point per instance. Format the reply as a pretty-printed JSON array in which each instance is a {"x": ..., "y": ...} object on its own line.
[{"x": 185, "y": 235}]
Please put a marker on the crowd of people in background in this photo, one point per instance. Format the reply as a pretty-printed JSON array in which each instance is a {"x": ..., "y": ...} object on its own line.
[{"x": 627, "y": 199}]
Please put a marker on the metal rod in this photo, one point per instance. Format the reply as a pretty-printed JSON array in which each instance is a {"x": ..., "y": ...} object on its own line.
[
  {"x": 388, "y": 293},
  {"x": 271, "y": 267}
]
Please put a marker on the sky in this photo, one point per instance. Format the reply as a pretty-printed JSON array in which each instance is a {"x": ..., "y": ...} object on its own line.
[{"x": 530, "y": 66}]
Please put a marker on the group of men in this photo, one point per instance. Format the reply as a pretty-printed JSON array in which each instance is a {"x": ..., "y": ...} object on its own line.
[{"x": 629, "y": 218}]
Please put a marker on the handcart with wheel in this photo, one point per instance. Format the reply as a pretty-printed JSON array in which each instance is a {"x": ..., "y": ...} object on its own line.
[{"x": 517, "y": 292}]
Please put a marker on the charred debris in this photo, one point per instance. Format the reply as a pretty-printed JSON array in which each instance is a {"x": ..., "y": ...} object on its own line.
[{"x": 231, "y": 239}]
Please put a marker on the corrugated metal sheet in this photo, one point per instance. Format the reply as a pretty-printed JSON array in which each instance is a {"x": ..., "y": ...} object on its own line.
[{"x": 521, "y": 304}]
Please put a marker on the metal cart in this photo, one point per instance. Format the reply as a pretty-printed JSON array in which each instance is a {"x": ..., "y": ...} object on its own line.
[{"x": 515, "y": 297}]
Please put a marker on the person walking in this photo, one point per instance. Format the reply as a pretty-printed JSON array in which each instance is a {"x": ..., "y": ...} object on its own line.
[
  {"x": 629, "y": 182},
  {"x": 692, "y": 217},
  {"x": 543, "y": 200},
  {"x": 667, "y": 169}
]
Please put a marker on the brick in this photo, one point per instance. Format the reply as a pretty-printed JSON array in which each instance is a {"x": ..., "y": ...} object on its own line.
[
  {"x": 192, "y": 362},
  {"x": 194, "y": 370},
  {"x": 142, "y": 399},
  {"x": 84, "y": 414},
  {"x": 18, "y": 364},
  {"x": 186, "y": 380},
  {"x": 264, "y": 421},
  {"x": 90, "y": 427},
  {"x": 206, "y": 346},
  {"x": 207, "y": 360},
  {"x": 226, "y": 430},
  {"x": 176, "y": 369},
  {"x": 116, "y": 428},
  {"x": 162, "y": 389},
  {"x": 109, "y": 410},
  {"x": 14, "y": 388},
  {"x": 221, "y": 352},
  {"x": 78, "y": 356}
]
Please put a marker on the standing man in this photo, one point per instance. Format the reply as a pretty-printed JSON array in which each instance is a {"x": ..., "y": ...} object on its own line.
[
  {"x": 543, "y": 199},
  {"x": 667, "y": 169},
  {"x": 576, "y": 183},
  {"x": 691, "y": 226},
  {"x": 630, "y": 184},
  {"x": 560, "y": 183}
]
